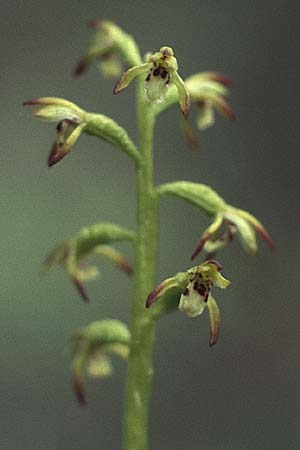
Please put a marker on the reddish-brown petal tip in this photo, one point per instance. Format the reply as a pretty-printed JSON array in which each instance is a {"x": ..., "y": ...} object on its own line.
[
  {"x": 220, "y": 78},
  {"x": 94, "y": 24},
  {"x": 34, "y": 101},
  {"x": 81, "y": 289},
  {"x": 79, "y": 391},
  {"x": 116, "y": 89},
  {"x": 126, "y": 267},
  {"x": 266, "y": 237},
  {"x": 56, "y": 154},
  {"x": 213, "y": 339},
  {"x": 189, "y": 134},
  {"x": 216, "y": 263},
  {"x": 153, "y": 296},
  {"x": 227, "y": 111},
  {"x": 80, "y": 68},
  {"x": 199, "y": 247},
  {"x": 186, "y": 109}
]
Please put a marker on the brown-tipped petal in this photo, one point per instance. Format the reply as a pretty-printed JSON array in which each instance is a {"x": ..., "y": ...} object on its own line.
[
  {"x": 94, "y": 24},
  {"x": 129, "y": 75},
  {"x": 34, "y": 101},
  {"x": 226, "y": 110},
  {"x": 189, "y": 134},
  {"x": 154, "y": 295},
  {"x": 126, "y": 267},
  {"x": 80, "y": 68},
  {"x": 199, "y": 247},
  {"x": 220, "y": 78},
  {"x": 265, "y": 235},
  {"x": 258, "y": 226},
  {"x": 183, "y": 94},
  {"x": 56, "y": 154},
  {"x": 215, "y": 320},
  {"x": 81, "y": 289},
  {"x": 78, "y": 389}
]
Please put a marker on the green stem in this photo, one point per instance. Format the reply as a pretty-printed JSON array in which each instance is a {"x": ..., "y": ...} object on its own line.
[{"x": 140, "y": 363}]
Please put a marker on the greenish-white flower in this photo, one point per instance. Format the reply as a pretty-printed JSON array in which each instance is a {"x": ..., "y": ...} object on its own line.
[
  {"x": 160, "y": 71},
  {"x": 192, "y": 292}
]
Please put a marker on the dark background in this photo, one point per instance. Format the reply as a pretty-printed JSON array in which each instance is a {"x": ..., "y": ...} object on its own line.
[{"x": 244, "y": 393}]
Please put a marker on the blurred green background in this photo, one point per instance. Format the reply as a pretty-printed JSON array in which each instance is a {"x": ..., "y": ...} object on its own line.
[{"x": 244, "y": 393}]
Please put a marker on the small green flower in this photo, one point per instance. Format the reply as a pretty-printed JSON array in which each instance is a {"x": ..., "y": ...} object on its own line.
[
  {"x": 207, "y": 91},
  {"x": 160, "y": 70},
  {"x": 91, "y": 350},
  {"x": 91, "y": 241},
  {"x": 193, "y": 291},
  {"x": 70, "y": 125},
  {"x": 230, "y": 222}
]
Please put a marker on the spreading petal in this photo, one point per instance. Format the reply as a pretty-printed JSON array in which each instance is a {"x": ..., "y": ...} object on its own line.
[
  {"x": 130, "y": 74},
  {"x": 208, "y": 233}
]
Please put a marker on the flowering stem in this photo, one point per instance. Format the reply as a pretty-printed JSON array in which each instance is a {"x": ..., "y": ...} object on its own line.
[{"x": 142, "y": 327}]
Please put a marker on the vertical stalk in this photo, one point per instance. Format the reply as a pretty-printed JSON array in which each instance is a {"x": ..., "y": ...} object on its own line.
[{"x": 142, "y": 327}]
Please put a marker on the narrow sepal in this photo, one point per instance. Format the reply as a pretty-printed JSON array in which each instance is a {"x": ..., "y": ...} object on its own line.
[
  {"x": 174, "y": 284},
  {"x": 208, "y": 234},
  {"x": 183, "y": 95},
  {"x": 261, "y": 230},
  {"x": 215, "y": 320},
  {"x": 129, "y": 75},
  {"x": 55, "y": 109},
  {"x": 80, "y": 288},
  {"x": 160, "y": 290},
  {"x": 79, "y": 391},
  {"x": 115, "y": 256},
  {"x": 189, "y": 133}
]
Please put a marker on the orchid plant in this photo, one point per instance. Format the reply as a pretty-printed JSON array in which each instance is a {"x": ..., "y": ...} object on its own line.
[{"x": 158, "y": 87}]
